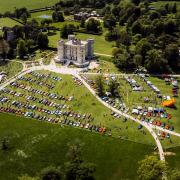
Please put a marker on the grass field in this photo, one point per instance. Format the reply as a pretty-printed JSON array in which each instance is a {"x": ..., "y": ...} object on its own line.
[
  {"x": 35, "y": 145},
  {"x": 7, "y": 22},
  {"x": 39, "y": 18},
  {"x": 11, "y": 68},
  {"x": 84, "y": 102},
  {"x": 33, "y": 4},
  {"x": 174, "y": 160},
  {"x": 100, "y": 46}
]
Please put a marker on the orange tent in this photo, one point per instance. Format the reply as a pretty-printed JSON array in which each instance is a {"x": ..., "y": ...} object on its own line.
[{"x": 169, "y": 103}]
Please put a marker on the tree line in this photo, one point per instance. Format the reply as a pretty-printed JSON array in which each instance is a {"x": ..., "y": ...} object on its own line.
[{"x": 144, "y": 37}]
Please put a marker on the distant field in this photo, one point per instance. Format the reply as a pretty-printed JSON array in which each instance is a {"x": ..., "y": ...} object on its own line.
[
  {"x": 9, "y": 5},
  {"x": 35, "y": 145},
  {"x": 158, "y": 4},
  {"x": 7, "y": 22}
]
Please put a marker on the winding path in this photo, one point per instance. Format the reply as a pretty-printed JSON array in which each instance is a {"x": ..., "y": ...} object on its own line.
[{"x": 149, "y": 128}]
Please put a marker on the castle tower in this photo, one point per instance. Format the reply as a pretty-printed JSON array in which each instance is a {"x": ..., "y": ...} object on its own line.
[
  {"x": 71, "y": 37},
  {"x": 90, "y": 48},
  {"x": 81, "y": 54},
  {"x": 61, "y": 52}
]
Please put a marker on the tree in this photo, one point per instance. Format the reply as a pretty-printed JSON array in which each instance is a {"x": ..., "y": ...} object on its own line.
[
  {"x": 109, "y": 22},
  {"x": 142, "y": 47},
  {"x": 116, "y": 52},
  {"x": 113, "y": 88},
  {"x": 166, "y": 7},
  {"x": 42, "y": 40},
  {"x": 158, "y": 27},
  {"x": 82, "y": 23},
  {"x": 154, "y": 15},
  {"x": 50, "y": 173},
  {"x": 112, "y": 35},
  {"x": 155, "y": 62},
  {"x": 174, "y": 174},
  {"x": 58, "y": 16},
  {"x": 4, "y": 48},
  {"x": 116, "y": 11},
  {"x": 21, "y": 48},
  {"x": 136, "y": 2},
  {"x": 30, "y": 43},
  {"x": 137, "y": 59},
  {"x": 170, "y": 26},
  {"x": 93, "y": 25},
  {"x": 66, "y": 30},
  {"x": 46, "y": 23},
  {"x": 5, "y": 144},
  {"x": 174, "y": 8},
  {"x": 34, "y": 23},
  {"x": 24, "y": 17},
  {"x": 100, "y": 85},
  {"x": 121, "y": 61},
  {"x": 124, "y": 38},
  {"x": 137, "y": 27},
  {"x": 151, "y": 168},
  {"x": 76, "y": 168},
  {"x": 26, "y": 177},
  {"x": 172, "y": 55}
]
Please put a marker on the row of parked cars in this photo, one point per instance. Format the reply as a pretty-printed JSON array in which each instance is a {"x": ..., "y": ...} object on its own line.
[
  {"x": 37, "y": 82},
  {"x": 77, "y": 81},
  {"x": 135, "y": 86},
  {"x": 115, "y": 104},
  {"x": 40, "y": 92},
  {"x": 45, "y": 76},
  {"x": 150, "y": 84},
  {"x": 66, "y": 121}
]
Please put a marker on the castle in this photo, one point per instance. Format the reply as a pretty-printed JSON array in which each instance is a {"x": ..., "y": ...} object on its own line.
[{"x": 75, "y": 51}]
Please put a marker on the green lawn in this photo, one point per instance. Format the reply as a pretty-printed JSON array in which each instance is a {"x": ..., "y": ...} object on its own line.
[
  {"x": 101, "y": 45},
  {"x": 7, "y": 22},
  {"x": 35, "y": 145},
  {"x": 10, "y": 5},
  {"x": 173, "y": 160},
  {"x": 106, "y": 65},
  {"x": 11, "y": 68}
]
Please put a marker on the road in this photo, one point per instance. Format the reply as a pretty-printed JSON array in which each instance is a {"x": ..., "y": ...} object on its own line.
[
  {"x": 99, "y": 54},
  {"x": 125, "y": 74}
]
